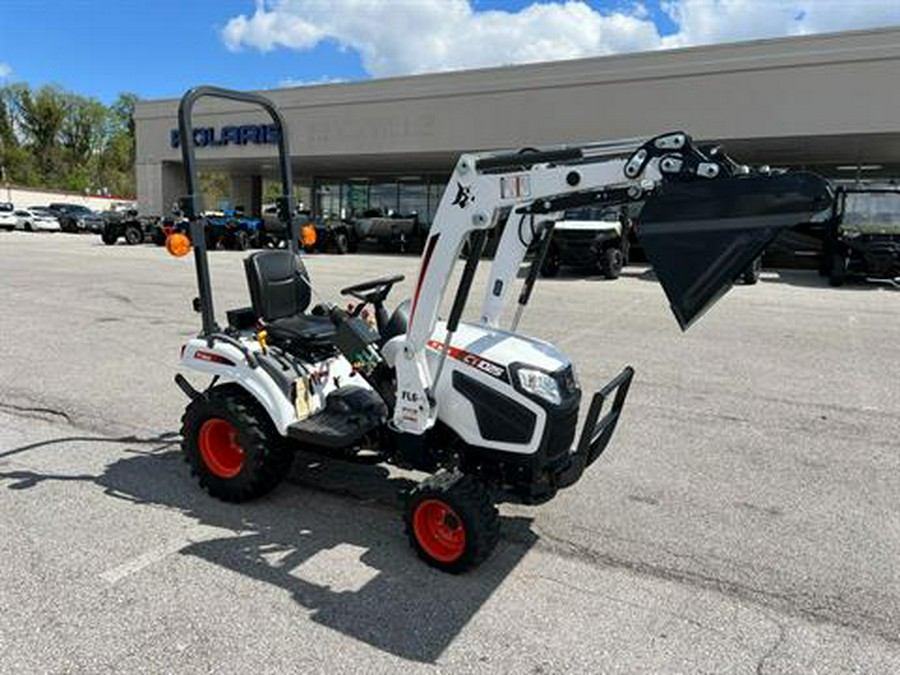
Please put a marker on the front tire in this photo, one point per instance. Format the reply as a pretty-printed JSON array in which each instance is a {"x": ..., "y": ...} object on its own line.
[
  {"x": 612, "y": 260},
  {"x": 232, "y": 446},
  {"x": 451, "y": 522},
  {"x": 838, "y": 273},
  {"x": 133, "y": 235}
]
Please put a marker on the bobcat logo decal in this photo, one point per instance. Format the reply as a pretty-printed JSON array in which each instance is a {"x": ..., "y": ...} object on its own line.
[{"x": 463, "y": 196}]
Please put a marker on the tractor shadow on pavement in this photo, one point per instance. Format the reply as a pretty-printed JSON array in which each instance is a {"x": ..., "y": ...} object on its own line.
[{"x": 331, "y": 536}]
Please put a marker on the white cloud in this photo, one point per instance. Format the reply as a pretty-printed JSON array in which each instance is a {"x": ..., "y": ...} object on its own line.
[
  {"x": 325, "y": 79},
  {"x": 5, "y": 70},
  {"x": 712, "y": 21},
  {"x": 396, "y": 37}
]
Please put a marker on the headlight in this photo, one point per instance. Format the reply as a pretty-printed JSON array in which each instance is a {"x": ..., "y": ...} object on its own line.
[
  {"x": 851, "y": 234},
  {"x": 539, "y": 384}
]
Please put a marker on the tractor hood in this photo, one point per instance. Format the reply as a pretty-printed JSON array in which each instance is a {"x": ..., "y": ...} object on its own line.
[{"x": 701, "y": 235}]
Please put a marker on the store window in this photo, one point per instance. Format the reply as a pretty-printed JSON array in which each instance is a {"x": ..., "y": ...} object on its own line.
[
  {"x": 405, "y": 195},
  {"x": 413, "y": 198}
]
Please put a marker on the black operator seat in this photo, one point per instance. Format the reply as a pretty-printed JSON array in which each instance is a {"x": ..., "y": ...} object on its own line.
[{"x": 280, "y": 293}]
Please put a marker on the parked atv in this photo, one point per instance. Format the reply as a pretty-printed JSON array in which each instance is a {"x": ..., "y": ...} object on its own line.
[
  {"x": 128, "y": 225},
  {"x": 233, "y": 231}
]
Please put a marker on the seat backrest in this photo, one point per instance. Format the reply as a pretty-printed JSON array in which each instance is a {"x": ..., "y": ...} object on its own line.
[{"x": 279, "y": 284}]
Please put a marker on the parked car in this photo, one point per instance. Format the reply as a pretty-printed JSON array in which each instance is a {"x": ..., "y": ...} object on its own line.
[
  {"x": 863, "y": 235},
  {"x": 7, "y": 216},
  {"x": 76, "y": 218},
  {"x": 592, "y": 237},
  {"x": 36, "y": 218}
]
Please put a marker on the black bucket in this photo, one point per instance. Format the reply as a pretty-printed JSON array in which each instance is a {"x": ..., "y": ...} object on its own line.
[{"x": 701, "y": 235}]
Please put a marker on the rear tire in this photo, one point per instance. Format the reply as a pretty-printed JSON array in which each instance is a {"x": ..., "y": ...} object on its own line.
[
  {"x": 838, "y": 273},
  {"x": 612, "y": 260},
  {"x": 751, "y": 274},
  {"x": 241, "y": 241},
  {"x": 341, "y": 243},
  {"x": 232, "y": 446},
  {"x": 133, "y": 235},
  {"x": 108, "y": 238},
  {"x": 28, "y": 227},
  {"x": 451, "y": 522}
]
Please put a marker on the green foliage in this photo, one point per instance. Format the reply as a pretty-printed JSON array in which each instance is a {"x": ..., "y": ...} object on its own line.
[
  {"x": 53, "y": 138},
  {"x": 215, "y": 189}
]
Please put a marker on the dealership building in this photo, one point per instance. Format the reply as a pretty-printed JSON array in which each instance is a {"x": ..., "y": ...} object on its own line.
[{"x": 826, "y": 102}]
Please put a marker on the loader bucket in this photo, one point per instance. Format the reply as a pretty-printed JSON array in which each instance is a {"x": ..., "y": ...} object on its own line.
[{"x": 701, "y": 235}]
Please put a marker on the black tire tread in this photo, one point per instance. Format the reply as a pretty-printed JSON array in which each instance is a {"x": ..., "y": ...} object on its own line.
[
  {"x": 471, "y": 500},
  {"x": 269, "y": 456},
  {"x": 138, "y": 235},
  {"x": 611, "y": 263}
]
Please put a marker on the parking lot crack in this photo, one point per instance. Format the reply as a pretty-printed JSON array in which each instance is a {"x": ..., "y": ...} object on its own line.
[
  {"x": 32, "y": 411},
  {"x": 809, "y": 609}
]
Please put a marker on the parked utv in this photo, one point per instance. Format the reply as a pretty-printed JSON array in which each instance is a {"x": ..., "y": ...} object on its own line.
[
  {"x": 592, "y": 237},
  {"x": 862, "y": 238}
]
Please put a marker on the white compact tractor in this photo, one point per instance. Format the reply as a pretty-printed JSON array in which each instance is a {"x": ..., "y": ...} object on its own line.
[{"x": 489, "y": 412}]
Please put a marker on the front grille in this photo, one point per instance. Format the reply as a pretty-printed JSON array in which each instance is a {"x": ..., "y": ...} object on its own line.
[
  {"x": 560, "y": 432},
  {"x": 576, "y": 236}
]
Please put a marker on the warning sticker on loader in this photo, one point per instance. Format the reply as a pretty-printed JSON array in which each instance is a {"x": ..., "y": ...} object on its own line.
[{"x": 515, "y": 187}]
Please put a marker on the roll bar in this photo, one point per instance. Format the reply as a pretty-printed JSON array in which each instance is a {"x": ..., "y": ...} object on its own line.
[{"x": 191, "y": 205}]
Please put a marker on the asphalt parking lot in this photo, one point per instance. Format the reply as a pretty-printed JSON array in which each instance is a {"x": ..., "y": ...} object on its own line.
[{"x": 744, "y": 520}]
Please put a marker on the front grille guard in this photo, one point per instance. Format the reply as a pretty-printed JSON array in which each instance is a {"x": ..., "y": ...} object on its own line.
[{"x": 597, "y": 430}]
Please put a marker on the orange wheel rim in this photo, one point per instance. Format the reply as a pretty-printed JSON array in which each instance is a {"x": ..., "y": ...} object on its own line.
[
  {"x": 439, "y": 530},
  {"x": 220, "y": 449}
]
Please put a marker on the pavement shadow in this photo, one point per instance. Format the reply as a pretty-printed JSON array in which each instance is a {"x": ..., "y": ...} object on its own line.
[
  {"x": 812, "y": 279},
  {"x": 571, "y": 273},
  {"x": 331, "y": 537},
  {"x": 806, "y": 278}
]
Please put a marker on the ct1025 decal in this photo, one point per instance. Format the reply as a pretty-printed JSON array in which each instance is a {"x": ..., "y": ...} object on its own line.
[{"x": 479, "y": 363}]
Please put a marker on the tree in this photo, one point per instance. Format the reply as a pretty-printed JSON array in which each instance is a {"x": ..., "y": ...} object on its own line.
[
  {"x": 82, "y": 139},
  {"x": 116, "y": 160},
  {"x": 50, "y": 137},
  {"x": 41, "y": 115}
]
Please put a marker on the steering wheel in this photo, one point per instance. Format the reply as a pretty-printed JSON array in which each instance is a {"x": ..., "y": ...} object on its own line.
[{"x": 374, "y": 291}]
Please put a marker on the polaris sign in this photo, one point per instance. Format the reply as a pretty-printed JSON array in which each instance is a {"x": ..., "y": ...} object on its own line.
[{"x": 245, "y": 134}]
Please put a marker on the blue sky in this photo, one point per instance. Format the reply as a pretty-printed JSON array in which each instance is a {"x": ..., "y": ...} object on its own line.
[{"x": 158, "y": 48}]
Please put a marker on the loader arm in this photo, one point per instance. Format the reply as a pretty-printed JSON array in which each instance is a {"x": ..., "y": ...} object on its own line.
[{"x": 534, "y": 187}]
